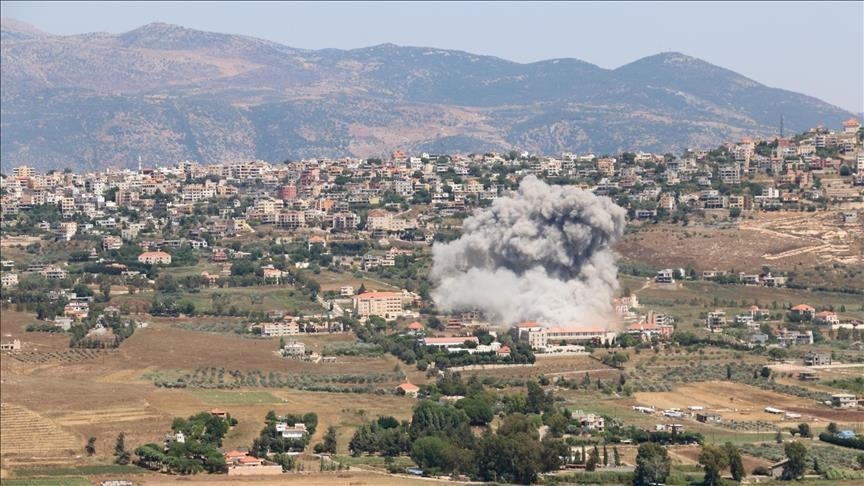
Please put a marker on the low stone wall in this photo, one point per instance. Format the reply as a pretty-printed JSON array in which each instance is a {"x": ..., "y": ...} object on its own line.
[{"x": 255, "y": 470}]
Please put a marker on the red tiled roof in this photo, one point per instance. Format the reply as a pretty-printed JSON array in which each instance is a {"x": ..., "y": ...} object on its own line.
[
  {"x": 529, "y": 324},
  {"x": 409, "y": 387},
  {"x": 803, "y": 308}
]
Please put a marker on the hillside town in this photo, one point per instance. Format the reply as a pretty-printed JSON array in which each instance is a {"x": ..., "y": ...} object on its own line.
[
  {"x": 363, "y": 215},
  {"x": 341, "y": 249}
]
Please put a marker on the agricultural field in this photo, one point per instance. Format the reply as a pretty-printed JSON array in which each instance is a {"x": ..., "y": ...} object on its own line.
[
  {"x": 333, "y": 281},
  {"x": 109, "y": 392}
]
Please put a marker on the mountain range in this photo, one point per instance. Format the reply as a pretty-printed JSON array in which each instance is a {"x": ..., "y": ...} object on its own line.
[{"x": 164, "y": 93}]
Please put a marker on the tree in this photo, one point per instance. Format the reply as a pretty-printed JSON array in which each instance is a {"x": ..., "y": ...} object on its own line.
[
  {"x": 832, "y": 428},
  {"x": 90, "y": 448},
  {"x": 593, "y": 460},
  {"x": 477, "y": 408},
  {"x": 329, "y": 443},
  {"x": 552, "y": 454},
  {"x": 652, "y": 465},
  {"x": 736, "y": 466},
  {"x": 778, "y": 437},
  {"x": 713, "y": 459},
  {"x": 538, "y": 400},
  {"x": 616, "y": 457},
  {"x": 778, "y": 354},
  {"x": 804, "y": 430},
  {"x": 435, "y": 453},
  {"x": 797, "y": 454},
  {"x": 120, "y": 453},
  {"x": 105, "y": 288}
]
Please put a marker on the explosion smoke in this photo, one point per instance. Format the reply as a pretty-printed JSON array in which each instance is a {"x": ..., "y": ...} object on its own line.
[{"x": 541, "y": 254}]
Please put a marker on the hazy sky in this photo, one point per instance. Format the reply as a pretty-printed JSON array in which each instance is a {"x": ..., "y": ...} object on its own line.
[{"x": 816, "y": 48}]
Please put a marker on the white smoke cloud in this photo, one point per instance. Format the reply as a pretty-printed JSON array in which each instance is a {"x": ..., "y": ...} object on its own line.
[{"x": 541, "y": 254}]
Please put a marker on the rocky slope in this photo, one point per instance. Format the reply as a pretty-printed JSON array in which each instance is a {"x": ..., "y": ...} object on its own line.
[{"x": 167, "y": 93}]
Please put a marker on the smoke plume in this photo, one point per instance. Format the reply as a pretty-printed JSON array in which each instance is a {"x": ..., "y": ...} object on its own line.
[{"x": 541, "y": 254}]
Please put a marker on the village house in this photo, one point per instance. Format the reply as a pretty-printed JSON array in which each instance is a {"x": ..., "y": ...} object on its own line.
[
  {"x": 827, "y": 318},
  {"x": 294, "y": 349},
  {"x": 802, "y": 312},
  {"x": 817, "y": 359},
  {"x": 791, "y": 338},
  {"x": 15, "y": 345},
  {"x": 298, "y": 431},
  {"x": 53, "y": 272},
  {"x": 589, "y": 421},
  {"x": 664, "y": 276},
  {"x": 408, "y": 389},
  {"x": 716, "y": 320},
  {"x": 8, "y": 279},
  {"x": 844, "y": 400},
  {"x": 451, "y": 344},
  {"x": 154, "y": 258}
]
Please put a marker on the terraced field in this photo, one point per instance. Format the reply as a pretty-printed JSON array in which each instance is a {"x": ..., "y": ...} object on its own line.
[
  {"x": 29, "y": 438},
  {"x": 67, "y": 356},
  {"x": 120, "y": 414}
]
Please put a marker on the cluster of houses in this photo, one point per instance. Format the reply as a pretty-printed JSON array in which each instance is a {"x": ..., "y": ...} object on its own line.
[
  {"x": 327, "y": 196},
  {"x": 668, "y": 276}
]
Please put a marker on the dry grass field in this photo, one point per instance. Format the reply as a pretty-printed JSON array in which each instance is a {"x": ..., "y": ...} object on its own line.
[
  {"x": 345, "y": 478},
  {"x": 779, "y": 240},
  {"x": 736, "y": 401},
  {"x": 330, "y": 280}
]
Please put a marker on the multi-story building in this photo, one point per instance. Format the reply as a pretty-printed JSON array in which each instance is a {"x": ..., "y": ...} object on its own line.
[
  {"x": 382, "y": 304},
  {"x": 284, "y": 328}
]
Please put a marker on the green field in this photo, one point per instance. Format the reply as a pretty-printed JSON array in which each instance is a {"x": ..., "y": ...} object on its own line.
[
  {"x": 262, "y": 298},
  {"x": 226, "y": 399},
  {"x": 54, "y": 481},
  {"x": 695, "y": 297}
]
